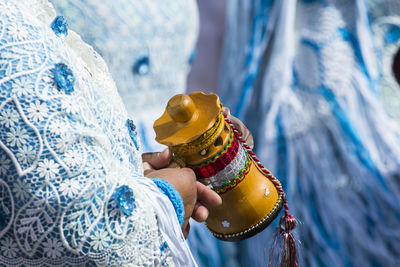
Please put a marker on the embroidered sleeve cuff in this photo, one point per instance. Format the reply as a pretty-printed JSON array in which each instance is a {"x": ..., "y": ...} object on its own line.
[{"x": 176, "y": 199}]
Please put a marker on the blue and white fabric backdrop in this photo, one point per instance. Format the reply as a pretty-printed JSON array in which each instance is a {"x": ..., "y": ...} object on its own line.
[
  {"x": 307, "y": 84},
  {"x": 385, "y": 22},
  {"x": 147, "y": 46}
]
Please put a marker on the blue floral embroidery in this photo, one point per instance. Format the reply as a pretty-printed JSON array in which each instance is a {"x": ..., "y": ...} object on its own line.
[
  {"x": 60, "y": 26},
  {"x": 163, "y": 247},
  {"x": 132, "y": 132},
  {"x": 125, "y": 200},
  {"x": 142, "y": 66},
  {"x": 64, "y": 77}
]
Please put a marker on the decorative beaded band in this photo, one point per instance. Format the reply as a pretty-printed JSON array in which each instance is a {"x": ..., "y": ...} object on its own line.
[
  {"x": 217, "y": 163},
  {"x": 204, "y": 141},
  {"x": 233, "y": 172},
  {"x": 214, "y": 158},
  {"x": 228, "y": 185}
]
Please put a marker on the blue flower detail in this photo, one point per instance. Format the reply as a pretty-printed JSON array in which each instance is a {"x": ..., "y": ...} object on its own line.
[
  {"x": 60, "y": 26},
  {"x": 64, "y": 77},
  {"x": 125, "y": 200},
  {"x": 142, "y": 66},
  {"x": 163, "y": 247},
  {"x": 132, "y": 132},
  {"x": 393, "y": 34}
]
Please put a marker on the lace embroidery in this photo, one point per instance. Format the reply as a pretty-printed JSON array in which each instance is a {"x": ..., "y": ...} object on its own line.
[{"x": 62, "y": 156}]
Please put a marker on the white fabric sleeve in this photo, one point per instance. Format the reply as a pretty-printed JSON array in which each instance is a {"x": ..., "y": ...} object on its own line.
[{"x": 67, "y": 149}]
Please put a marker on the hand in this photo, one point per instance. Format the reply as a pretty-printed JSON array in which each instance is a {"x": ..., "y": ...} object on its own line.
[
  {"x": 246, "y": 134},
  {"x": 156, "y": 160},
  {"x": 193, "y": 193},
  {"x": 184, "y": 181}
]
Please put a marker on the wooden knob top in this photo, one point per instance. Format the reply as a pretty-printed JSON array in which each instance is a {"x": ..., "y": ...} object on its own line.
[
  {"x": 181, "y": 108},
  {"x": 186, "y": 118}
]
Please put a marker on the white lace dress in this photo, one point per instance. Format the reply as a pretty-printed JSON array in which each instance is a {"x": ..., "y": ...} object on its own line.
[{"x": 71, "y": 185}]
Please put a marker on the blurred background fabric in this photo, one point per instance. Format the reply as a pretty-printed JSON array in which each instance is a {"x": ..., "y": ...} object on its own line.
[
  {"x": 385, "y": 23},
  {"x": 205, "y": 72},
  {"x": 306, "y": 77},
  {"x": 147, "y": 46}
]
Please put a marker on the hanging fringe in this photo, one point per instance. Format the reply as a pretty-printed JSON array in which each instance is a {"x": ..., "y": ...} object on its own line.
[
  {"x": 288, "y": 248},
  {"x": 289, "y": 257}
]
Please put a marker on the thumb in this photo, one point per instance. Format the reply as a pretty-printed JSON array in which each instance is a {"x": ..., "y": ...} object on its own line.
[{"x": 158, "y": 160}]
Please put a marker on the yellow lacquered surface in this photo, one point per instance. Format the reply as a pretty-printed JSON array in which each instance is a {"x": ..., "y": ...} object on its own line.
[
  {"x": 191, "y": 127},
  {"x": 244, "y": 206},
  {"x": 191, "y": 116},
  {"x": 195, "y": 157}
]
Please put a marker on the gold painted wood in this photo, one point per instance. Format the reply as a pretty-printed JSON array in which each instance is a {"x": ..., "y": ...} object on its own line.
[
  {"x": 172, "y": 132},
  {"x": 244, "y": 206},
  {"x": 194, "y": 128}
]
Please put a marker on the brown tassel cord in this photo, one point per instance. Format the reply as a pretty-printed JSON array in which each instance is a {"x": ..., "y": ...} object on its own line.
[{"x": 288, "y": 248}]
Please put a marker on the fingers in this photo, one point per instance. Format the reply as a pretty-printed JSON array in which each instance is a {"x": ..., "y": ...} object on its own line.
[
  {"x": 200, "y": 212},
  {"x": 204, "y": 196},
  {"x": 207, "y": 196},
  {"x": 248, "y": 137},
  {"x": 238, "y": 124},
  {"x": 226, "y": 111},
  {"x": 158, "y": 160},
  {"x": 246, "y": 134}
]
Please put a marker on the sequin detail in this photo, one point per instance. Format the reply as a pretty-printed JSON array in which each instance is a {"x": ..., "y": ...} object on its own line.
[
  {"x": 142, "y": 66},
  {"x": 64, "y": 77},
  {"x": 132, "y": 132},
  {"x": 60, "y": 26},
  {"x": 125, "y": 200},
  {"x": 225, "y": 223},
  {"x": 266, "y": 192}
]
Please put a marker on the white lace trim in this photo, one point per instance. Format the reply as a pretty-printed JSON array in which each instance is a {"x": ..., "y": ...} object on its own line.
[{"x": 63, "y": 155}]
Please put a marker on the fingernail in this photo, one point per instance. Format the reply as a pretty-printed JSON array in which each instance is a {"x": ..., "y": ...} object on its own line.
[{"x": 165, "y": 152}]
